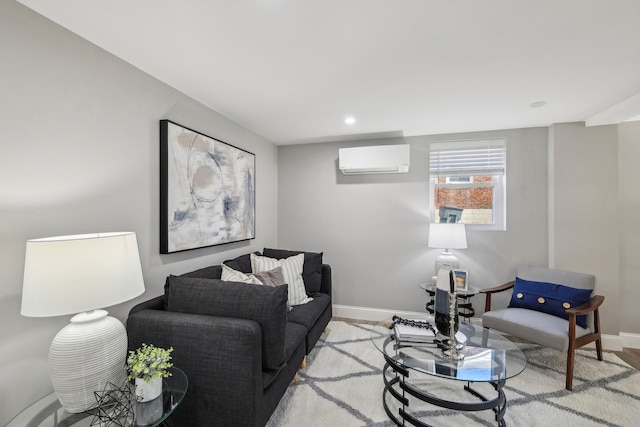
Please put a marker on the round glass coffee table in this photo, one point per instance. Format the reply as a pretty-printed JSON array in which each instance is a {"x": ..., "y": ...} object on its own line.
[
  {"x": 419, "y": 373},
  {"x": 48, "y": 411}
]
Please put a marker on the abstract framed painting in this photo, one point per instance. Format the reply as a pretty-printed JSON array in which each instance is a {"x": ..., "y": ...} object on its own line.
[{"x": 207, "y": 190}]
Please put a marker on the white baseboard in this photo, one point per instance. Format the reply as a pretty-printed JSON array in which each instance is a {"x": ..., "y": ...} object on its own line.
[
  {"x": 609, "y": 342},
  {"x": 371, "y": 314},
  {"x": 630, "y": 340}
]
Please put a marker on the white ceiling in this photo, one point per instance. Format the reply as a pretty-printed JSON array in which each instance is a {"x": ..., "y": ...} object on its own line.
[{"x": 292, "y": 70}]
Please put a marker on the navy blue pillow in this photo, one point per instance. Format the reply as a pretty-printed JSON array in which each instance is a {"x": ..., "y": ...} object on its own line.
[{"x": 549, "y": 298}]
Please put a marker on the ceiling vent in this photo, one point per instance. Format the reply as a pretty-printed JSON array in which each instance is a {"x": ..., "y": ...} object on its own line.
[{"x": 374, "y": 159}]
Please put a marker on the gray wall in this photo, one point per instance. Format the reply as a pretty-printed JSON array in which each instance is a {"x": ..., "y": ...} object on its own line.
[
  {"x": 572, "y": 203},
  {"x": 80, "y": 154},
  {"x": 595, "y": 226},
  {"x": 373, "y": 229},
  {"x": 629, "y": 209},
  {"x": 584, "y": 232}
]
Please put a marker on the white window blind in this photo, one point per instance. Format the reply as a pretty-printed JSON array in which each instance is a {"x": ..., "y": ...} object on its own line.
[{"x": 482, "y": 157}]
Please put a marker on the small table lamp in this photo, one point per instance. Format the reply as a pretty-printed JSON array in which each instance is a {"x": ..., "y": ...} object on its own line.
[
  {"x": 79, "y": 274},
  {"x": 447, "y": 236}
]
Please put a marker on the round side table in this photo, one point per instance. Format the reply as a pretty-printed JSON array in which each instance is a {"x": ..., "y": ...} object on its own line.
[
  {"x": 48, "y": 412},
  {"x": 465, "y": 306}
]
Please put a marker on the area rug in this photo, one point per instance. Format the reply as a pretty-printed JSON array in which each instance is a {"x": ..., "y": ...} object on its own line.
[{"x": 342, "y": 386}]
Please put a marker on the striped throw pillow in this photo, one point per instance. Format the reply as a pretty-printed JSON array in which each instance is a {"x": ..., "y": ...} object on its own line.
[
  {"x": 231, "y": 275},
  {"x": 292, "y": 272}
]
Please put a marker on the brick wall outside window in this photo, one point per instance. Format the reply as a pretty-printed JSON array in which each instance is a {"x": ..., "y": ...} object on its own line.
[{"x": 465, "y": 197}]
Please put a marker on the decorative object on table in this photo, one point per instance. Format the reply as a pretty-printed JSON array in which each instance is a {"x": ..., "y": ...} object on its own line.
[
  {"x": 80, "y": 274},
  {"x": 147, "y": 366},
  {"x": 452, "y": 347},
  {"x": 447, "y": 236},
  {"x": 114, "y": 406},
  {"x": 412, "y": 331},
  {"x": 461, "y": 279},
  {"x": 207, "y": 190},
  {"x": 444, "y": 289}
]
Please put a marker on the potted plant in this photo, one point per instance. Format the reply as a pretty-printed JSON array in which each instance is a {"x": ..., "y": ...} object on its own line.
[{"x": 147, "y": 366}]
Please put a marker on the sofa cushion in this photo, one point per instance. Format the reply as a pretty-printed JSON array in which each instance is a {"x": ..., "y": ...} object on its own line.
[
  {"x": 311, "y": 271},
  {"x": 264, "y": 304},
  {"x": 549, "y": 298},
  {"x": 211, "y": 272},
  {"x": 273, "y": 277},
  {"x": 231, "y": 275},
  {"x": 241, "y": 263},
  {"x": 308, "y": 314},
  {"x": 535, "y": 326},
  {"x": 295, "y": 337},
  {"x": 292, "y": 271}
]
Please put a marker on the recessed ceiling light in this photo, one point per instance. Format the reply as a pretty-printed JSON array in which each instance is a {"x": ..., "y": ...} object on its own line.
[
  {"x": 538, "y": 104},
  {"x": 350, "y": 120}
]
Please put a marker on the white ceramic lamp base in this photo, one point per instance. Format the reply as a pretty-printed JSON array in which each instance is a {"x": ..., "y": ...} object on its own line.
[
  {"x": 86, "y": 355},
  {"x": 446, "y": 258}
]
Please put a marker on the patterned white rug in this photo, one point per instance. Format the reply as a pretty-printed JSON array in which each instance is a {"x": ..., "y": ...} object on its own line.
[{"x": 342, "y": 386}]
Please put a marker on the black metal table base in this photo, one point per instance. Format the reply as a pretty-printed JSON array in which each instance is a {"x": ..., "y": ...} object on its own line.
[
  {"x": 465, "y": 307},
  {"x": 398, "y": 387}
]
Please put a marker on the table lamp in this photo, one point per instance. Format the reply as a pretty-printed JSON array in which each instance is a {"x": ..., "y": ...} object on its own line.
[
  {"x": 447, "y": 236},
  {"x": 80, "y": 274}
]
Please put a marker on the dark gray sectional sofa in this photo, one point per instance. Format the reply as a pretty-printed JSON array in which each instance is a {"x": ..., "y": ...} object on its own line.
[{"x": 238, "y": 344}]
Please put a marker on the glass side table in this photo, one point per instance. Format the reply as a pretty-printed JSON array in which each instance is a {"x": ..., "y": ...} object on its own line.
[
  {"x": 465, "y": 306},
  {"x": 47, "y": 412}
]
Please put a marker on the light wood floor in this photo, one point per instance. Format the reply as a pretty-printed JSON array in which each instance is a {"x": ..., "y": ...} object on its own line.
[{"x": 629, "y": 355}]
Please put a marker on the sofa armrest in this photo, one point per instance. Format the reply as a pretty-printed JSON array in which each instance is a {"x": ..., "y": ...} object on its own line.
[
  {"x": 490, "y": 291},
  {"x": 221, "y": 356},
  {"x": 156, "y": 303},
  {"x": 325, "y": 286}
]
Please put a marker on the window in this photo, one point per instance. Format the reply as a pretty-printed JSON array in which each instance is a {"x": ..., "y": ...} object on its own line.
[{"x": 467, "y": 183}]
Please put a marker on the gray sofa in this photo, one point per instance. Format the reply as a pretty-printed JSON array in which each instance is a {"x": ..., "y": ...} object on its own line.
[{"x": 238, "y": 343}]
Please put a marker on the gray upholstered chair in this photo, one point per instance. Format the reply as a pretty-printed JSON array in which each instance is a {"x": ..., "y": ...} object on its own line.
[{"x": 535, "y": 325}]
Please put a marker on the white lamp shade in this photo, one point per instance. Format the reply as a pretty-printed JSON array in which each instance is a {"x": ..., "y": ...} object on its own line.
[
  {"x": 447, "y": 236},
  {"x": 72, "y": 274}
]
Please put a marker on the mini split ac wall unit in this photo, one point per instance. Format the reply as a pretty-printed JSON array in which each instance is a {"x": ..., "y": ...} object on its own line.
[{"x": 374, "y": 159}]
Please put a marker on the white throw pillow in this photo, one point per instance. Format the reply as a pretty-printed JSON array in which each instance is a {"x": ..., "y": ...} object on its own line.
[
  {"x": 231, "y": 275},
  {"x": 292, "y": 272}
]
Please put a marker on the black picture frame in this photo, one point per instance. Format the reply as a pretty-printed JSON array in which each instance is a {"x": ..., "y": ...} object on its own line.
[{"x": 207, "y": 190}]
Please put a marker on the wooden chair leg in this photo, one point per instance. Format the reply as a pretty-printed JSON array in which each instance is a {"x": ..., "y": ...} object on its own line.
[
  {"x": 596, "y": 324},
  {"x": 599, "y": 348},
  {"x": 571, "y": 352},
  {"x": 570, "y": 360},
  {"x": 303, "y": 365}
]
